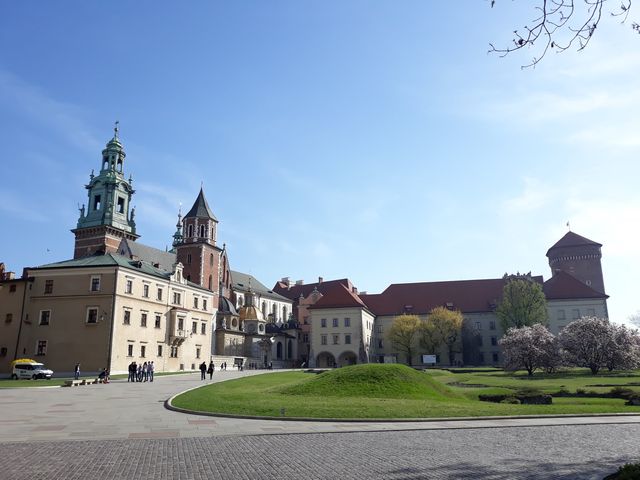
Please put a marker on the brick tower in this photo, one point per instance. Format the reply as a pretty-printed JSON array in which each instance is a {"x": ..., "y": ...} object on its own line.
[
  {"x": 195, "y": 245},
  {"x": 579, "y": 257},
  {"x": 107, "y": 218}
]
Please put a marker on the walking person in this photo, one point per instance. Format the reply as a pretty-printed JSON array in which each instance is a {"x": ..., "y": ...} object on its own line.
[
  {"x": 150, "y": 369},
  {"x": 145, "y": 372},
  {"x": 76, "y": 371},
  {"x": 203, "y": 371},
  {"x": 210, "y": 370}
]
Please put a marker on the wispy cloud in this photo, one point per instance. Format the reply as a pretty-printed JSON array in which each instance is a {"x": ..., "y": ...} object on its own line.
[{"x": 535, "y": 195}]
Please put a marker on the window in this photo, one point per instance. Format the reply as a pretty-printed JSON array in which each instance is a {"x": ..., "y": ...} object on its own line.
[
  {"x": 174, "y": 352},
  {"x": 305, "y": 337},
  {"x": 336, "y": 339},
  {"x": 347, "y": 339},
  {"x": 494, "y": 356},
  {"x": 159, "y": 350},
  {"x": 143, "y": 350},
  {"x": 347, "y": 322},
  {"x": 8, "y": 318},
  {"x": 190, "y": 231},
  {"x": 576, "y": 313},
  {"x": 323, "y": 322},
  {"x": 12, "y": 288},
  {"x": 130, "y": 350},
  {"x": 176, "y": 298},
  {"x": 203, "y": 328},
  {"x": 323, "y": 339},
  {"x": 194, "y": 327},
  {"x": 145, "y": 291},
  {"x": 41, "y": 347},
  {"x": 204, "y": 303},
  {"x": 197, "y": 352},
  {"x": 159, "y": 294},
  {"x": 379, "y": 329},
  {"x": 3, "y": 352},
  {"x": 120, "y": 205},
  {"x": 335, "y": 322},
  {"x": 127, "y": 317},
  {"x": 478, "y": 326},
  {"x": 195, "y": 302},
  {"x": 158, "y": 320},
  {"x": 492, "y": 324},
  {"x": 95, "y": 284},
  {"x": 494, "y": 341},
  {"x": 128, "y": 288},
  {"x": 45, "y": 317},
  {"x": 92, "y": 315},
  {"x": 188, "y": 259},
  {"x": 210, "y": 259},
  {"x": 181, "y": 324},
  {"x": 143, "y": 319},
  {"x": 96, "y": 202},
  {"x": 561, "y": 315},
  {"x": 48, "y": 286}
]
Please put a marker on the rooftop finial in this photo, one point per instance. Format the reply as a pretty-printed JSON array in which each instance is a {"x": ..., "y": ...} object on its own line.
[
  {"x": 201, "y": 184},
  {"x": 568, "y": 226},
  {"x": 116, "y": 129}
]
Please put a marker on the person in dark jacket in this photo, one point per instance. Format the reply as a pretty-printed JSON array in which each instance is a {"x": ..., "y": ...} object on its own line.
[
  {"x": 203, "y": 371},
  {"x": 210, "y": 370}
]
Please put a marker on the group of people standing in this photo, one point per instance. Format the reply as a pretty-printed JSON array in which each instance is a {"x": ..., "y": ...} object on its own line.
[
  {"x": 204, "y": 370},
  {"x": 141, "y": 372}
]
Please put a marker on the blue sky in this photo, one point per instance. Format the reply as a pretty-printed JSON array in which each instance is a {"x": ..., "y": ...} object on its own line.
[{"x": 371, "y": 140}]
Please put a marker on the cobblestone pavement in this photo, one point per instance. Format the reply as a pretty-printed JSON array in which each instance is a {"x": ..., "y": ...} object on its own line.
[{"x": 552, "y": 452}]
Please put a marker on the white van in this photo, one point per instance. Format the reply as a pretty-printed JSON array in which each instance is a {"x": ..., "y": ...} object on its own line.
[{"x": 31, "y": 371}]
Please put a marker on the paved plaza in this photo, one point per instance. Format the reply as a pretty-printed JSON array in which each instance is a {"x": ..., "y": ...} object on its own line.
[{"x": 127, "y": 433}]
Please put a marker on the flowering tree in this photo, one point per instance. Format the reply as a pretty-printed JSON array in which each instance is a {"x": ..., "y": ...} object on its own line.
[
  {"x": 591, "y": 342},
  {"x": 529, "y": 348},
  {"x": 624, "y": 353}
]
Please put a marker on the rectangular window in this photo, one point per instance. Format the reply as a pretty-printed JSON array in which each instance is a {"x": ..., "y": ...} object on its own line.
[
  {"x": 203, "y": 329},
  {"x": 195, "y": 302},
  {"x": 204, "y": 303},
  {"x": 158, "y": 320},
  {"x": 492, "y": 324},
  {"x": 145, "y": 291},
  {"x": 159, "y": 350},
  {"x": 120, "y": 205},
  {"x": 478, "y": 326},
  {"x": 41, "y": 347},
  {"x": 347, "y": 322},
  {"x": 130, "y": 350},
  {"x": 323, "y": 322},
  {"x": 128, "y": 288},
  {"x": 335, "y": 322},
  {"x": 197, "y": 352},
  {"x": 576, "y": 313},
  {"x": 95, "y": 284},
  {"x": 127, "y": 318},
  {"x": 181, "y": 324},
  {"x": 96, "y": 202},
  {"x": 48, "y": 286},
  {"x": 379, "y": 329},
  {"x": 176, "y": 298},
  {"x": 494, "y": 341},
  {"x": 45, "y": 317},
  {"x": 8, "y": 318},
  {"x": 143, "y": 320},
  {"x": 92, "y": 315},
  {"x": 12, "y": 288},
  {"x": 143, "y": 350},
  {"x": 336, "y": 339},
  {"x": 305, "y": 337},
  {"x": 494, "y": 356},
  {"x": 194, "y": 327},
  {"x": 347, "y": 339},
  {"x": 323, "y": 339},
  {"x": 174, "y": 352},
  {"x": 561, "y": 315},
  {"x": 159, "y": 294}
]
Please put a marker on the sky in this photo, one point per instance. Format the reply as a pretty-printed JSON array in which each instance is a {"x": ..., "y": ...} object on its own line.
[{"x": 377, "y": 141}]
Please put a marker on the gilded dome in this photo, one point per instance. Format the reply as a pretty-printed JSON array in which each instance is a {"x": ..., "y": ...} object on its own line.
[{"x": 249, "y": 312}]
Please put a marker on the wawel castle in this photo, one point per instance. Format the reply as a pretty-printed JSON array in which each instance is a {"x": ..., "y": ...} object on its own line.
[{"x": 118, "y": 300}]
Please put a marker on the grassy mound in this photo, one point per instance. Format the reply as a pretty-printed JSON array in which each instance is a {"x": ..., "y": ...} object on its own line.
[{"x": 373, "y": 381}]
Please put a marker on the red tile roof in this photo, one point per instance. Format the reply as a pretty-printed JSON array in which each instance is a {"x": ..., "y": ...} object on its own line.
[
  {"x": 465, "y": 295},
  {"x": 293, "y": 292},
  {"x": 565, "y": 286},
  {"x": 338, "y": 296},
  {"x": 571, "y": 239}
]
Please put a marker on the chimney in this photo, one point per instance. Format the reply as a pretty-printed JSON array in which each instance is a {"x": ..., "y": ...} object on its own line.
[
  {"x": 320, "y": 279},
  {"x": 299, "y": 282},
  {"x": 363, "y": 292},
  {"x": 286, "y": 281}
]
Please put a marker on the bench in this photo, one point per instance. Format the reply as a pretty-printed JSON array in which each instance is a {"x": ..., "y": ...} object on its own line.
[
  {"x": 72, "y": 383},
  {"x": 84, "y": 381}
]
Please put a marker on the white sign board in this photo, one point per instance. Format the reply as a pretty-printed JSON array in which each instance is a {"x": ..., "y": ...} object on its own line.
[{"x": 428, "y": 359}]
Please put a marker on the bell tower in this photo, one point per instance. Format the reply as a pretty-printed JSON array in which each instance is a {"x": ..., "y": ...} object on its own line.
[
  {"x": 107, "y": 217},
  {"x": 195, "y": 246}
]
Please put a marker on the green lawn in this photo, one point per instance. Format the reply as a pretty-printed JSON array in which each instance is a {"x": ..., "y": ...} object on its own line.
[{"x": 375, "y": 391}]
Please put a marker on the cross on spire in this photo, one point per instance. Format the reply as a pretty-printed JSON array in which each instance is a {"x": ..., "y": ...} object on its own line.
[{"x": 116, "y": 129}]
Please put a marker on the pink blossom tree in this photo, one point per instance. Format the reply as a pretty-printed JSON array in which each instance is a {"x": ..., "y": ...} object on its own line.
[
  {"x": 625, "y": 351},
  {"x": 530, "y": 348}
]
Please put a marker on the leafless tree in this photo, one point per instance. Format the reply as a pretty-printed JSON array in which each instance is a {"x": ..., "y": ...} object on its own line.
[{"x": 560, "y": 25}]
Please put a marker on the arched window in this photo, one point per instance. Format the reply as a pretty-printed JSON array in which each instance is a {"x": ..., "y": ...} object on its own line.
[
  {"x": 211, "y": 260},
  {"x": 190, "y": 231},
  {"x": 279, "y": 351},
  {"x": 290, "y": 349},
  {"x": 210, "y": 283},
  {"x": 202, "y": 231}
]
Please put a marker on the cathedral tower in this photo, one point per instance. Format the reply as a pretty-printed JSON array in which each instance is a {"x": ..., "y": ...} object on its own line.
[
  {"x": 195, "y": 245},
  {"x": 579, "y": 257},
  {"x": 106, "y": 218}
]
